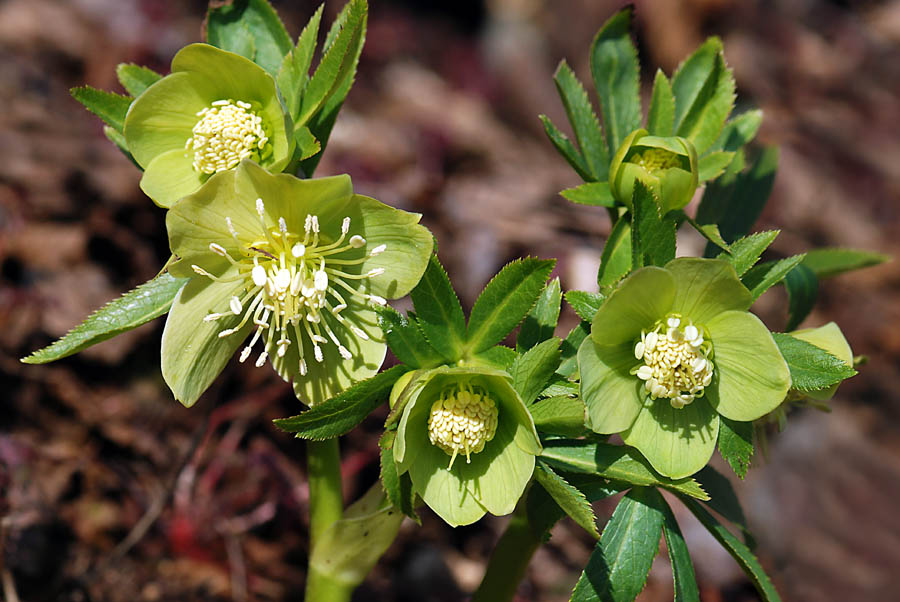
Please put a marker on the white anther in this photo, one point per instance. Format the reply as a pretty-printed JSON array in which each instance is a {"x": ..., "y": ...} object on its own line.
[
  {"x": 359, "y": 333},
  {"x": 258, "y": 274},
  {"x": 235, "y": 305},
  {"x": 307, "y": 225},
  {"x": 308, "y": 288},
  {"x": 303, "y": 368},
  {"x": 261, "y": 359},
  {"x": 318, "y": 353},
  {"x": 375, "y": 272},
  {"x": 651, "y": 341},
  {"x": 260, "y": 208},
  {"x": 298, "y": 250},
  {"x": 282, "y": 280},
  {"x": 345, "y": 353},
  {"x": 376, "y": 299},
  {"x": 357, "y": 241},
  {"x": 217, "y": 249},
  {"x": 218, "y": 103},
  {"x": 699, "y": 364},
  {"x": 321, "y": 281},
  {"x": 295, "y": 284},
  {"x": 697, "y": 341},
  {"x": 377, "y": 250},
  {"x": 691, "y": 332},
  {"x": 644, "y": 373},
  {"x": 282, "y": 348},
  {"x": 315, "y": 223},
  {"x": 345, "y": 225},
  {"x": 226, "y": 332},
  {"x": 282, "y": 225},
  {"x": 673, "y": 322},
  {"x": 639, "y": 350},
  {"x": 245, "y": 353}
]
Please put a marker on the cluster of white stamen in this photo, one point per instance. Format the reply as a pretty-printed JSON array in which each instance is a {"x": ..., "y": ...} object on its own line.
[
  {"x": 462, "y": 420},
  {"x": 226, "y": 133},
  {"x": 288, "y": 287},
  {"x": 677, "y": 361}
]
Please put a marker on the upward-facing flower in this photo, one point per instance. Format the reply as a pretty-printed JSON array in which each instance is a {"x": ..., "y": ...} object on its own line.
[
  {"x": 215, "y": 109},
  {"x": 294, "y": 264},
  {"x": 672, "y": 349}
]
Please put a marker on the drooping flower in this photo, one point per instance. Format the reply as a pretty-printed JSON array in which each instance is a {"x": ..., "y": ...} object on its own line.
[
  {"x": 294, "y": 264},
  {"x": 467, "y": 441},
  {"x": 665, "y": 165},
  {"x": 670, "y": 350},
  {"x": 215, "y": 109}
]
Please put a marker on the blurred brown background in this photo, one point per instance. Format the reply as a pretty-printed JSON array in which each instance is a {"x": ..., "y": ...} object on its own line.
[{"x": 109, "y": 490}]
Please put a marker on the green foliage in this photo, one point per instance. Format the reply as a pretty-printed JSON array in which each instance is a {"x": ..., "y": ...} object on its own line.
[
  {"x": 543, "y": 511},
  {"x": 802, "y": 288},
  {"x": 584, "y": 122},
  {"x": 138, "y": 306},
  {"x": 745, "y": 252},
  {"x": 108, "y": 106},
  {"x": 585, "y": 303},
  {"x": 615, "y": 262},
  {"x": 569, "y": 348},
  {"x": 572, "y": 501},
  {"x": 724, "y": 500},
  {"x": 506, "y": 300},
  {"x": 532, "y": 370},
  {"x": 620, "y": 563},
  {"x": 341, "y": 413},
  {"x": 737, "y": 549},
  {"x": 566, "y": 149},
  {"x": 397, "y": 487},
  {"x": 540, "y": 323},
  {"x": 661, "y": 115},
  {"x": 652, "y": 235},
  {"x": 406, "y": 339},
  {"x": 439, "y": 313},
  {"x": 135, "y": 78},
  {"x": 811, "y": 368},
  {"x": 250, "y": 28},
  {"x": 831, "y": 262},
  {"x": 764, "y": 276},
  {"x": 559, "y": 415},
  {"x": 293, "y": 75},
  {"x": 682, "y": 569},
  {"x": 736, "y": 444},
  {"x": 597, "y": 194}
]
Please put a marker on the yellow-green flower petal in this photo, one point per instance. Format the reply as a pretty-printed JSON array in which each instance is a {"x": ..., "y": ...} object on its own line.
[
  {"x": 612, "y": 395},
  {"x": 706, "y": 287},
  {"x": 170, "y": 176},
  {"x": 640, "y": 300}
]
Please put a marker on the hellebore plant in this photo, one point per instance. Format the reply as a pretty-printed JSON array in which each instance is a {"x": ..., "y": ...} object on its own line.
[
  {"x": 214, "y": 110},
  {"x": 672, "y": 349},
  {"x": 467, "y": 441},
  {"x": 297, "y": 272}
]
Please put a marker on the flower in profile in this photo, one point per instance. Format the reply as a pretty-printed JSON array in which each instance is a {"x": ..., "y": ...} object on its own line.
[
  {"x": 672, "y": 349},
  {"x": 214, "y": 110},
  {"x": 296, "y": 265},
  {"x": 665, "y": 165},
  {"x": 467, "y": 441}
]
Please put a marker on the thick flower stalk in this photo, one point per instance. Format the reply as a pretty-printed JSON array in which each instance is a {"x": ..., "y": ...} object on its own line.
[
  {"x": 214, "y": 110},
  {"x": 667, "y": 166},
  {"x": 670, "y": 351},
  {"x": 467, "y": 441},
  {"x": 296, "y": 266}
]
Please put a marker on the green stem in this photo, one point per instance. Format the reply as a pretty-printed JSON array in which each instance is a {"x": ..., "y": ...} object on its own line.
[
  {"x": 326, "y": 505},
  {"x": 506, "y": 568}
]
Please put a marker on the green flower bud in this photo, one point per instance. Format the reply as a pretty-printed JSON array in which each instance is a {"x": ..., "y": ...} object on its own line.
[
  {"x": 670, "y": 351},
  {"x": 467, "y": 441},
  {"x": 666, "y": 166}
]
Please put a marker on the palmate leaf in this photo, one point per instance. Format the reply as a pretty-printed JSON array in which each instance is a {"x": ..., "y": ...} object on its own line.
[
  {"x": 293, "y": 74},
  {"x": 585, "y": 304},
  {"x": 540, "y": 323},
  {"x": 505, "y": 301},
  {"x": 737, "y": 549},
  {"x": 584, "y": 122},
  {"x": 108, "y": 106},
  {"x": 572, "y": 501},
  {"x": 250, "y": 28},
  {"x": 342, "y": 413},
  {"x": 439, "y": 313},
  {"x": 616, "y": 73},
  {"x": 620, "y": 563},
  {"x": 812, "y": 368},
  {"x": 830, "y": 262},
  {"x": 135, "y": 78},
  {"x": 532, "y": 370},
  {"x": 745, "y": 252},
  {"x": 138, "y": 306}
]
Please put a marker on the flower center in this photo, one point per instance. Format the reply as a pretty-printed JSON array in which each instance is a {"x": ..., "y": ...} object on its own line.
[
  {"x": 655, "y": 159},
  {"x": 227, "y": 132},
  {"x": 462, "y": 419},
  {"x": 677, "y": 361},
  {"x": 291, "y": 283}
]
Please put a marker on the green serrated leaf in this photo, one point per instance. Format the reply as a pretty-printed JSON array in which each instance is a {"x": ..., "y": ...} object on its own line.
[
  {"x": 532, "y": 370},
  {"x": 652, "y": 235},
  {"x": 738, "y": 132},
  {"x": 724, "y": 500},
  {"x": 307, "y": 145},
  {"x": 764, "y": 276},
  {"x": 740, "y": 552},
  {"x": 498, "y": 356},
  {"x": 620, "y": 563},
  {"x": 294, "y": 71},
  {"x": 704, "y": 95},
  {"x": 397, "y": 487},
  {"x": 108, "y": 106},
  {"x": 407, "y": 340},
  {"x": 585, "y": 304},
  {"x": 340, "y": 414},
  {"x": 685, "y": 581},
  {"x": 559, "y": 386},
  {"x": 831, "y": 262},
  {"x": 584, "y": 121},
  {"x": 439, "y": 313},
  {"x": 802, "y": 288},
  {"x": 138, "y": 306},
  {"x": 559, "y": 415},
  {"x": 136, "y": 78},
  {"x": 745, "y": 252},
  {"x": 540, "y": 323},
  {"x": 229, "y": 24},
  {"x": 615, "y": 262},
  {"x": 572, "y": 501},
  {"x": 736, "y": 444},
  {"x": 616, "y": 73},
  {"x": 713, "y": 164},
  {"x": 661, "y": 115},
  {"x": 119, "y": 140},
  {"x": 506, "y": 300},
  {"x": 568, "y": 365},
  {"x": 596, "y": 194},
  {"x": 617, "y": 462},
  {"x": 812, "y": 368},
  {"x": 543, "y": 512},
  {"x": 709, "y": 231},
  {"x": 565, "y": 148}
]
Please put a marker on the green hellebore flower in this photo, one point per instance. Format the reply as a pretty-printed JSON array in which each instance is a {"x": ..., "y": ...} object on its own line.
[
  {"x": 672, "y": 349},
  {"x": 830, "y": 338},
  {"x": 667, "y": 166},
  {"x": 467, "y": 441},
  {"x": 297, "y": 264},
  {"x": 215, "y": 109}
]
